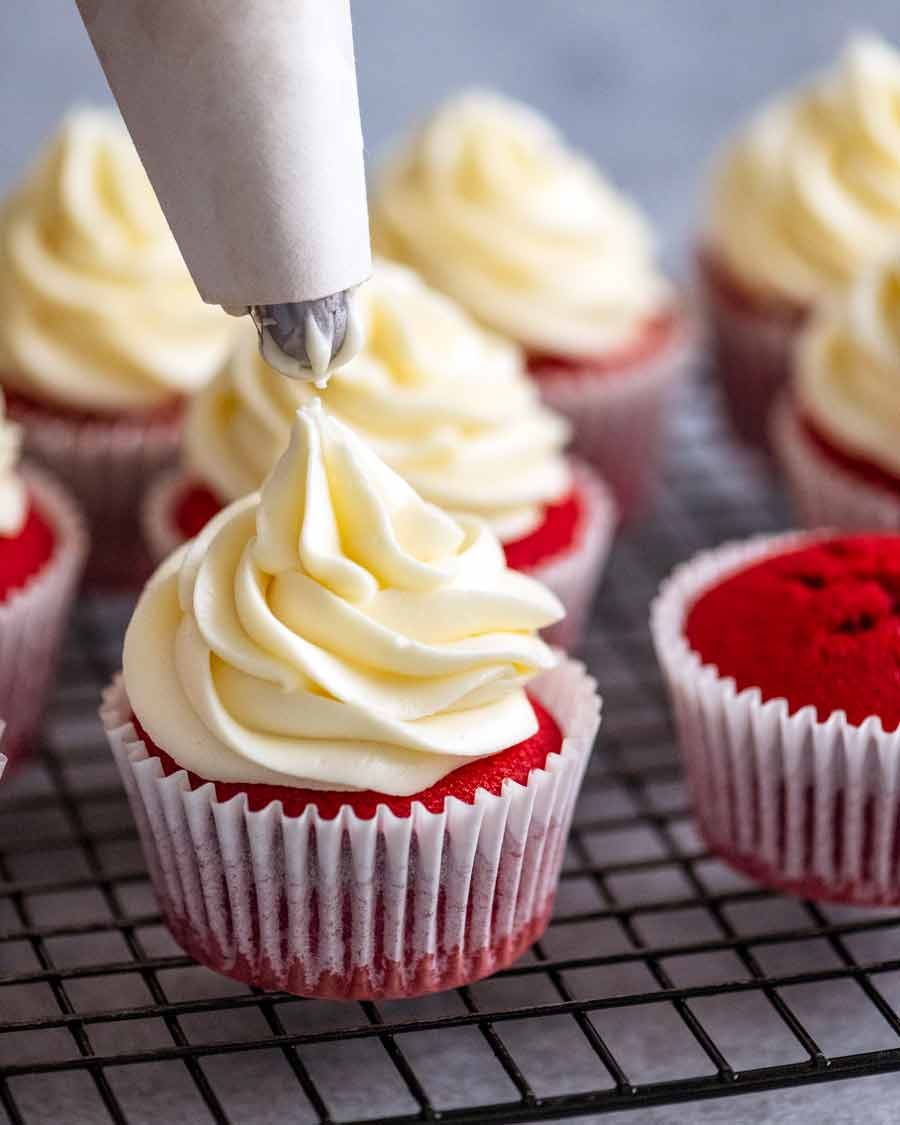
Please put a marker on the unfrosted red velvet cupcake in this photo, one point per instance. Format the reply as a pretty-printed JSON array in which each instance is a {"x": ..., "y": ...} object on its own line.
[
  {"x": 792, "y": 219},
  {"x": 778, "y": 654},
  {"x": 837, "y": 433},
  {"x": 445, "y": 403},
  {"x": 489, "y": 203},
  {"x": 42, "y": 551},
  {"x": 341, "y": 785},
  {"x": 102, "y": 333}
]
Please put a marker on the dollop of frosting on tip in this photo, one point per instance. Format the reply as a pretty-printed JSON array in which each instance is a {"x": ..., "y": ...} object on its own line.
[
  {"x": 336, "y": 631},
  {"x": 321, "y": 357}
]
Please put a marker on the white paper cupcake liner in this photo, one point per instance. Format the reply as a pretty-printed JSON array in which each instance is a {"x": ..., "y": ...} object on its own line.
[
  {"x": 824, "y": 493},
  {"x": 801, "y": 805},
  {"x": 107, "y": 466},
  {"x": 753, "y": 357},
  {"x": 33, "y": 618},
  {"x": 618, "y": 418},
  {"x": 354, "y": 908},
  {"x": 574, "y": 574}
]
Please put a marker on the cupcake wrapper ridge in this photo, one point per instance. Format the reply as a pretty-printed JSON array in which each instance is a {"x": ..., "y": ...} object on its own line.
[
  {"x": 33, "y": 619},
  {"x": 801, "y": 805},
  {"x": 823, "y": 493},
  {"x": 355, "y": 908}
]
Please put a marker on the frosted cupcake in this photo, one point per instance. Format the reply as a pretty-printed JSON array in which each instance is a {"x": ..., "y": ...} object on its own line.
[
  {"x": 779, "y": 654},
  {"x": 837, "y": 434},
  {"x": 803, "y": 199},
  {"x": 341, "y": 784},
  {"x": 42, "y": 550},
  {"x": 488, "y": 203},
  {"x": 443, "y": 402},
  {"x": 102, "y": 333}
]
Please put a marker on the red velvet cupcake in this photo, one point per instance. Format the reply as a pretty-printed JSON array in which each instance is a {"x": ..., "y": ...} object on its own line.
[
  {"x": 793, "y": 218},
  {"x": 778, "y": 655},
  {"x": 341, "y": 786},
  {"x": 102, "y": 333}
]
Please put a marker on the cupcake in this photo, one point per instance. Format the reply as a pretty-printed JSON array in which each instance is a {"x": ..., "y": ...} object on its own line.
[
  {"x": 780, "y": 657},
  {"x": 42, "y": 550},
  {"x": 802, "y": 200},
  {"x": 490, "y": 206},
  {"x": 837, "y": 434},
  {"x": 444, "y": 403},
  {"x": 341, "y": 785},
  {"x": 102, "y": 333}
]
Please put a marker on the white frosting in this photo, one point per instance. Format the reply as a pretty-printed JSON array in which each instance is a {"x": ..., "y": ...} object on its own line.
[
  {"x": 810, "y": 191},
  {"x": 98, "y": 309},
  {"x": 848, "y": 367},
  {"x": 336, "y": 631},
  {"x": 445, "y": 403},
  {"x": 13, "y": 495},
  {"x": 488, "y": 203}
]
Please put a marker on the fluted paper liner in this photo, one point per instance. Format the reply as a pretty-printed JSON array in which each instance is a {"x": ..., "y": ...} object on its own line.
[
  {"x": 800, "y": 804},
  {"x": 573, "y": 574},
  {"x": 33, "y": 618},
  {"x": 354, "y": 908},
  {"x": 618, "y": 417},
  {"x": 247, "y": 120},
  {"x": 824, "y": 493}
]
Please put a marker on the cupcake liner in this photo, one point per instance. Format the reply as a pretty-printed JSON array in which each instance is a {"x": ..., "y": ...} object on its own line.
[
  {"x": 801, "y": 805},
  {"x": 354, "y": 908},
  {"x": 824, "y": 493},
  {"x": 574, "y": 574},
  {"x": 618, "y": 418},
  {"x": 33, "y": 619},
  {"x": 752, "y": 346},
  {"x": 106, "y": 464},
  {"x": 160, "y": 535}
]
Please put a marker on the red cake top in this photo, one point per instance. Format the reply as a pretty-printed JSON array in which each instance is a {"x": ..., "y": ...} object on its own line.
[
  {"x": 819, "y": 625},
  {"x": 24, "y": 554}
]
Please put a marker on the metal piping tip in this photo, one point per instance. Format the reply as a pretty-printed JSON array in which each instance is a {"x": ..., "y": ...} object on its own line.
[{"x": 309, "y": 339}]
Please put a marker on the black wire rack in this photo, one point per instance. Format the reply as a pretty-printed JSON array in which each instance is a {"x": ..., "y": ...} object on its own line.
[{"x": 663, "y": 977}]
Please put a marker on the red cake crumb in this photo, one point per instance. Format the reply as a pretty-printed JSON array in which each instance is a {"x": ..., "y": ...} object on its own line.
[
  {"x": 20, "y": 406},
  {"x": 23, "y": 555},
  {"x": 819, "y": 626},
  {"x": 857, "y": 466},
  {"x": 516, "y": 763},
  {"x": 656, "y": 333},
  {"x": 195, "y": 505}
]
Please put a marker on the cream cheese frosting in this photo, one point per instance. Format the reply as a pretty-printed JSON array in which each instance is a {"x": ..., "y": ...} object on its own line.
[
  {"x": 13, "y": 496},
  {"x": 97, "y": 309},
  {"x": 492, "y": 207},
  {"x": 335, "y": 630},
  {"x": 445, "y": 403},
  {"x": 848, "y": 367},
  {"x": 810, "y": 191}
]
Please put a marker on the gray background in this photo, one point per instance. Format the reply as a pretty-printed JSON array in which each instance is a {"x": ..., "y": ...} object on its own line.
[{"x": 648, "y": 87}]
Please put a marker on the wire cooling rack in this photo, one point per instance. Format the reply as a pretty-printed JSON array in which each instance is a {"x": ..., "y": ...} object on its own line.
[{"x": 663, "y": 977}]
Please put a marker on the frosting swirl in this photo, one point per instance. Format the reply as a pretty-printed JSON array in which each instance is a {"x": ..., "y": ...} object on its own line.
[
  {"x": 810, "y": 191},
  {"x": 98, "y": 309},
  {"x": 443, "y": 402},
  {"x": 13, "y": 496},
  {"x": 336, "y": 631},
  {"x": 848, "y": 367},
  {"x": 488, "y": 203}
]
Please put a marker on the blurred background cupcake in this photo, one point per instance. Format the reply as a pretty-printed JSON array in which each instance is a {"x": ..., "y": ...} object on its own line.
[
  {"x": 102, "y": 333},
  {"x": 807, "y": 194},
  {"x": 445, "y": 403},
  {"x": 492, "y": 207},
  {"x": 837, "y": 435}
]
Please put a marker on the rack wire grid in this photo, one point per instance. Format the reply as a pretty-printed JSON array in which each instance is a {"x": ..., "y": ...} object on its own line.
[{"x": 663, "y": 976}]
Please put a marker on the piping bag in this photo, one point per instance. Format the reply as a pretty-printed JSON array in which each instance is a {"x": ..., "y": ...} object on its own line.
[{"x": 246, "y": 117}]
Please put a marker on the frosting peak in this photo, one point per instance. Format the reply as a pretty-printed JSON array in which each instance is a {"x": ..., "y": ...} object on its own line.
[
  {"x": 13, "y": 496},
  {"x": 98, "y": 309},
  {"x": 488, "y": 202},
  {"x": 337, "y": 631},
  {"x": 442, "y": 401},
  {"x": 810, "y": 191}
]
